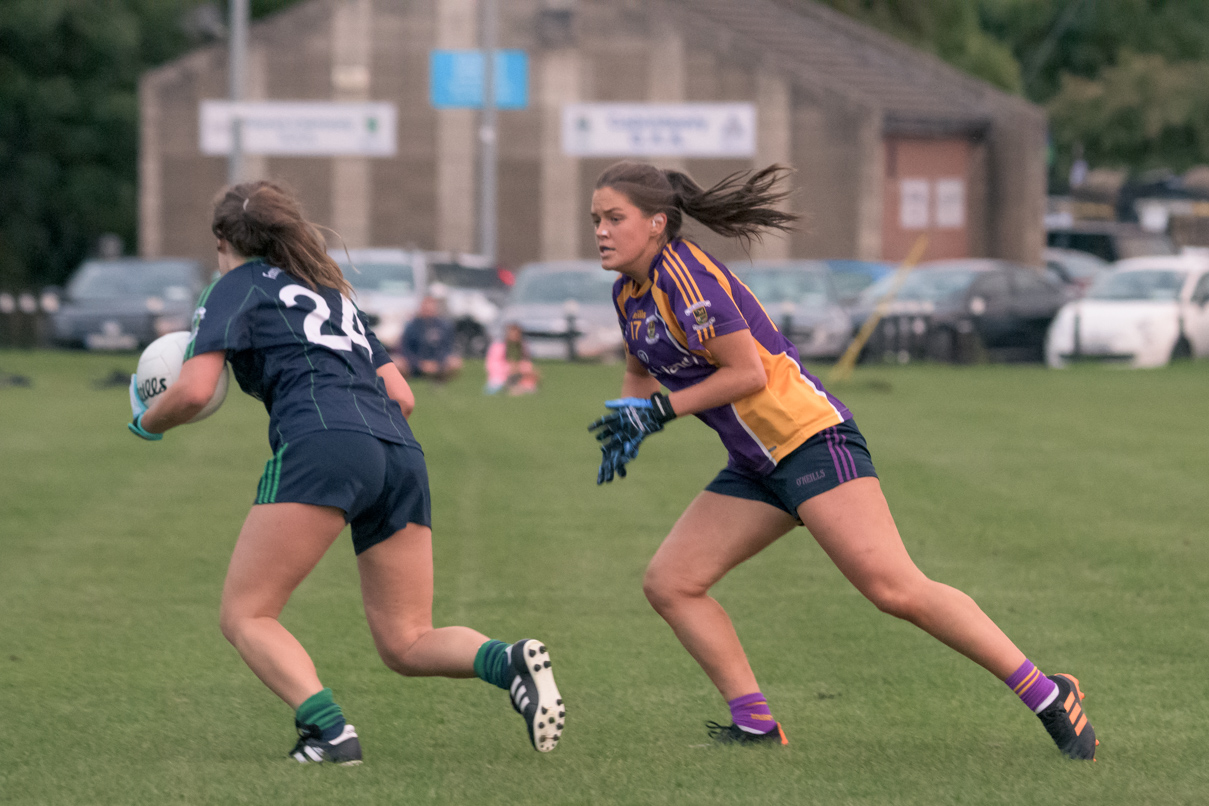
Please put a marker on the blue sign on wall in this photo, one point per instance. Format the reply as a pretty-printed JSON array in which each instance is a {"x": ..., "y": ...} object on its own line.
[{"x": 457, "y": 79}]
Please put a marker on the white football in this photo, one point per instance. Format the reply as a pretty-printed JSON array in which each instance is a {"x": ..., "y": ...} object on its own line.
[{"x": 160, "y": 366}]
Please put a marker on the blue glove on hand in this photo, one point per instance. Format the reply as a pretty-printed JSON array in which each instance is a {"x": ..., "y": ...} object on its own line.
[
  {"x": 138, "y": 408},
  {"x": 621, "y": 432}
]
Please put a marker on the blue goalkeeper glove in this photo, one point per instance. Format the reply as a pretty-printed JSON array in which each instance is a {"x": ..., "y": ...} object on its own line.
[
  {"x": 138, "y": 408},
  {"x": 621, "y": 432}
]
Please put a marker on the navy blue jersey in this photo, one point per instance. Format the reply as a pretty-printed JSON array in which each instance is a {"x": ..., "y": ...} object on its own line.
[{"x": 307, "y": 354}]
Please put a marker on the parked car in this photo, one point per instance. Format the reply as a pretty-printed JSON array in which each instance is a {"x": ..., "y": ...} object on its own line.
[
  {"x": 389, "y": 284},
  {"x": 1110, "y": 240},
  {"x": 473, "y": 289},
  {"x": 802, "y": 300},
  {"x": 1074, "y": 268},
  {"x": 565, "y": 309},
  {"x": 957, "y": 310},
  {"x": 127, "y": 303},
  {"x": 1142, "y": 313},
  {"x": 851, "y": 277}
]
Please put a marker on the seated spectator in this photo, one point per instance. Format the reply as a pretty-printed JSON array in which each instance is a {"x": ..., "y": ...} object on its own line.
[
  {"x": 508, "y": 365},
  {"x": 428, "y": 348}
]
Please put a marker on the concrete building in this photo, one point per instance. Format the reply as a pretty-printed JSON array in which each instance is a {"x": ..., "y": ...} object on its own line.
[{"x": 888, "y": 142}]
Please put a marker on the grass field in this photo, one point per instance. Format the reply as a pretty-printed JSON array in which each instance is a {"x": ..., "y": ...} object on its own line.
[{"x": 1071, "y": 505}]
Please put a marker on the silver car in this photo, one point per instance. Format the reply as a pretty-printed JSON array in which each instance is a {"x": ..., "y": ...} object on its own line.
[
  {"x": 802, "y": 300},
  {"x": 565, "y": 309}
]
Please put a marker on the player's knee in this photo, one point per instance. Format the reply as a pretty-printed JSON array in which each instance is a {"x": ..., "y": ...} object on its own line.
[
  {"x": 898, "y": 598},
  {"x": 394, "y": 650},
  {"x": 664, "y": 587}
]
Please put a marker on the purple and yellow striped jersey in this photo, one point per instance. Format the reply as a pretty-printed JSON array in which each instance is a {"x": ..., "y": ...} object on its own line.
[{"x": 690, "y": 298}]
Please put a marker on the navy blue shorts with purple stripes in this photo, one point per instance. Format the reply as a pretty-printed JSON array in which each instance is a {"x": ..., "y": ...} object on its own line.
[{"x": 825, "y": 461}]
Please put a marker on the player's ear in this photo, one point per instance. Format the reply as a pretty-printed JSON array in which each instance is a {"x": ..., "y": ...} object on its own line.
[{"x": 658, "y": 222}]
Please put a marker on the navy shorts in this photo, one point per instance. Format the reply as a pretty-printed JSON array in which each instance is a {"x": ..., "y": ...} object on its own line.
[
  {"x": 823, "y": 462},
  {"x": 381, "y": 486}
]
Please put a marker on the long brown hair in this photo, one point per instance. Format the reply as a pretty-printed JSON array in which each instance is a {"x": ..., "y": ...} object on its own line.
[
  {"x": 741, "y": 206},
  {"x": 263, "y": 219}
]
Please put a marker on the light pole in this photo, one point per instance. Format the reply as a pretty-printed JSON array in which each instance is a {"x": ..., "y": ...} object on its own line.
[
  {"x": 488, "y": 135},
  {"x": 237, "y": 50}
]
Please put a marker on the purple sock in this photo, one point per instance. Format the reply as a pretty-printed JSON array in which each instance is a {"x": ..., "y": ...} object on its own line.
[
  {"x": 1033, "y": 688},
  {"x": 750, "y": 712}
]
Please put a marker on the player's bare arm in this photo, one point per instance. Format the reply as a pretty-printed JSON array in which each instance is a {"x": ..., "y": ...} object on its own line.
[
  {"x": 397, "y": 388},
  {"x": 637, "y": 382},
  {"x": 740, "y": 373},
  {"x": 181, "y": 401}
]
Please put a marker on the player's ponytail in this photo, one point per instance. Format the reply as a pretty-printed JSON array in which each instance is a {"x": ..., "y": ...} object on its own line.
[
  {"x": 262, "y": 219},
  {"x": 741, "y": 206}
]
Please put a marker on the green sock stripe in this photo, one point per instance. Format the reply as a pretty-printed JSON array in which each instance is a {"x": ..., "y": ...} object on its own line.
[
  {"x": 320, "y": 710},
  {"x": 491, "y": 664}
]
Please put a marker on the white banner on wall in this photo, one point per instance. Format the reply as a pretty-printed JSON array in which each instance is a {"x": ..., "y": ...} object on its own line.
[
  {"x": 300, "y": 128},
  {"x": 659, "y": 130}
]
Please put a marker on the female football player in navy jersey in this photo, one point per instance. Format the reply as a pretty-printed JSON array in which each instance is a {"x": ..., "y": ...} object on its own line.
[
  {"x": 342, "y": 454},
  {"x": 795, "y": 454}
]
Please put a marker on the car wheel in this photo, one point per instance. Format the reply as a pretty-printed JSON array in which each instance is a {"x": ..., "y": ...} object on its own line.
[
  {"x": 1182, "y": 349},
  {"x": 942, "y": 346},
  {"x": 471, "y": 338}
]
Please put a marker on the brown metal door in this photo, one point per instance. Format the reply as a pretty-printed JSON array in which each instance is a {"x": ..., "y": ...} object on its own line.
[{"x": 927, "y": 190}]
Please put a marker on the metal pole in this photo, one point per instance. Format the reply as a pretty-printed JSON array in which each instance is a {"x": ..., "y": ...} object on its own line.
[
  {"x": 237, "y": 47},
  {"x": 487, "y": 135}
]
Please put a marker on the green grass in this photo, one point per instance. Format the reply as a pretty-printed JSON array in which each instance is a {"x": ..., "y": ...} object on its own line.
[{"x": 1069, "y": 504}]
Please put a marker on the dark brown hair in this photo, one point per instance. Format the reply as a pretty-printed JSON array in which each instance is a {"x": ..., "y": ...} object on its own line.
[
  {"x": 741, "y": 206},
  {"x": 263, "y": 219}
]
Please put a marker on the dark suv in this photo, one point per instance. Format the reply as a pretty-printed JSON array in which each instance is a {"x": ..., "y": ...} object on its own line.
[{"x": 1111, "y": 240}]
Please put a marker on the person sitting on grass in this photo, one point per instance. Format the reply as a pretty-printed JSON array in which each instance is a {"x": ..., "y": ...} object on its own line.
[
  {"x": 428, "y": 348},
  {"x": 508, "y": 366}
]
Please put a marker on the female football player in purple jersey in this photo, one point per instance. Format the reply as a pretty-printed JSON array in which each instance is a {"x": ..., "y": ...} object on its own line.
[
  {"x": 343, "y": 453},
  {"x": 795, "y": 454}
]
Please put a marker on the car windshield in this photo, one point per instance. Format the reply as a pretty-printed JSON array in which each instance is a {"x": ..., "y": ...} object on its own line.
[
  {"x": 380, "y": 278},
  {"x": 921, "y": 285},
  {"x": 458, "y": 275},
  {"x": 1138, "y": 285},
  {"x": 176, "y": 281},
  {"x": 589, "y": 287},
  {"x": 786, "y": 285},
  {"x": 1080, "y": 267}
]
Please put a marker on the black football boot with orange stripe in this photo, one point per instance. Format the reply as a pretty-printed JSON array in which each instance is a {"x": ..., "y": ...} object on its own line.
[
  {"x": 1067, "y": 723},
  {"x": 733, "y": 734}
]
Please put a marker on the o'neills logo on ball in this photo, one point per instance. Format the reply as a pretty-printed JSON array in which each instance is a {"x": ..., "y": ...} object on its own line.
[{"x": 152, "y": 387}]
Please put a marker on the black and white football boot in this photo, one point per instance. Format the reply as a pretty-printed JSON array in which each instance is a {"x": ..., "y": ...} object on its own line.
[
  {"x": 534, "y": 694},
  {"x": 344, "y": 749}
]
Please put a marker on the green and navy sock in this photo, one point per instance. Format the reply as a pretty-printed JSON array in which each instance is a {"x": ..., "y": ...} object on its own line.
[
  {"x": 491, "y": 664},
  {"x": 321, "y": 711}
]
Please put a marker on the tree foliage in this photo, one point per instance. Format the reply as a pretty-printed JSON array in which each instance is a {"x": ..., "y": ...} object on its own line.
[
  {"x": 1124, "y": 81},
  {"x": 69, "y": 74}
]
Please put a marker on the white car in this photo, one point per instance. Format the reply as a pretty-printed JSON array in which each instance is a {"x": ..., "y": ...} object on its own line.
[
  {"x": 1142, "y": 313},
  {"x": 388, "y": 284}
]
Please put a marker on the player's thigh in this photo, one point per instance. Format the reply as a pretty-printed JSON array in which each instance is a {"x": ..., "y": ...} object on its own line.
[
  {"x": 715, "y": 533},
  {"x": 396, "y": 585},
  {"x": 278, "y": 546},
  {"x": 853, "y": 525}
]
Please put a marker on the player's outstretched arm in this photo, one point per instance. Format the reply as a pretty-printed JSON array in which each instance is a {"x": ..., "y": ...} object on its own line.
[
  {"x": 181, "y": 401},
  {"x": 397, "y": 388}
]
